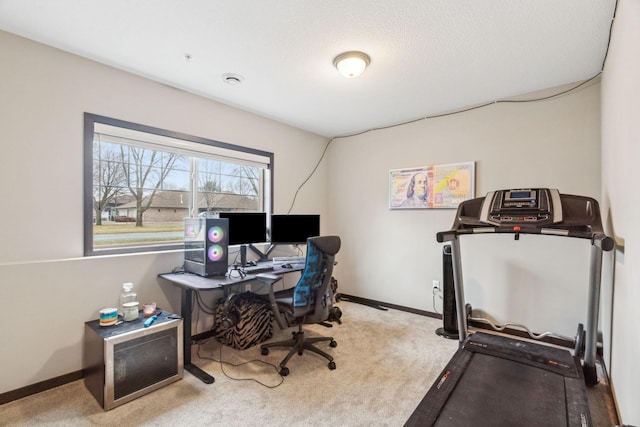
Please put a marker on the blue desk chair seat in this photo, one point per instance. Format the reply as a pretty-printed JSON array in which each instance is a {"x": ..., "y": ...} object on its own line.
[{"x": 308, "y": 302}]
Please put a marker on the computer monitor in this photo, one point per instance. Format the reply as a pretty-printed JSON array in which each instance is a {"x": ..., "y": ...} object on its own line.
[
  {"x": 293, "y": 229},
  {"x": 246, "y": 227}
]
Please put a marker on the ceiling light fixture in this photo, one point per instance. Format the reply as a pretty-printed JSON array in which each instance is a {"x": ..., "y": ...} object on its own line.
[{"x": 351, "y": 64}]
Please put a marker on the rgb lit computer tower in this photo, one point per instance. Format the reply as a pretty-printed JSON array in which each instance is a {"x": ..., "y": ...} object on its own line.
[{"x": 206, "y": 246}]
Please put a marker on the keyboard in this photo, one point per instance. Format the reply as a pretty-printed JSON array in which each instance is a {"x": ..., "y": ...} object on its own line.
[
  {"x": 255, "y": 269},
  {"x": 288, "y": 260}
]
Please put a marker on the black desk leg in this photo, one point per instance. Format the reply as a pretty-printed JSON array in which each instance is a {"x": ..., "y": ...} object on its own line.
[{"x": 187, "y": 298}]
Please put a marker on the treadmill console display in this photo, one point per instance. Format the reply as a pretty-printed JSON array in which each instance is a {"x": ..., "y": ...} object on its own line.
[
  {"x": 520, "y": 198},
  {"x": 536, "y": 206}
]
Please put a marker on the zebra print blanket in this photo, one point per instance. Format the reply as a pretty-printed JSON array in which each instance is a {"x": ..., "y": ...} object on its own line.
[{"x": 254, "y": 322}]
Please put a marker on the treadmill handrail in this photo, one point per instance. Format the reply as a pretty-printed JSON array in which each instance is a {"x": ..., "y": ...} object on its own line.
[
  {"x": 603, "y": 241},
  {"x": 600, "y": 240}
]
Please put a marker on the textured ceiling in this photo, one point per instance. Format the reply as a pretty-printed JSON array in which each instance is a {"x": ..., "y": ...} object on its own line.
[{"x": 427, "y": 57}]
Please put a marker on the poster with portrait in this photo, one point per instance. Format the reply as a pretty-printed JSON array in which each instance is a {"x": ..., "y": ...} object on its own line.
[{"x": 431, "y": 187}]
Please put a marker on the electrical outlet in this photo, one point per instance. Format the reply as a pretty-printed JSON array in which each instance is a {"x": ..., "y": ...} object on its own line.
[
  {"x": 436, "y": 284},
  {"x": 247, "y": 287}
]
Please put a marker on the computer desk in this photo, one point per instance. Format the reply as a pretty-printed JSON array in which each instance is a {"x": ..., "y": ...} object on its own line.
[{"x": 188, "y": 283}]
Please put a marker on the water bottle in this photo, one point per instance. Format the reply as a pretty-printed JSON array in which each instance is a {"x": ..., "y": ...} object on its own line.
[{"x": 129, "y": 302}]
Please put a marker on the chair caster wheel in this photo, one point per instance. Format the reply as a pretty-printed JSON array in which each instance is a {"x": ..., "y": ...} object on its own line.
[
  {"x": 264, "y": 351},
  {"x": 332, "y": 365},
  {"x": 284, "y": 371},
  {"x": 333, "y": 344}
]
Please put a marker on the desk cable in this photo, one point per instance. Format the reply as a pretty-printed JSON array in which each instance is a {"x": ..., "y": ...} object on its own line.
[
  {"x": 222, "y": 363},
  {"x": 236, "y": 272},
  {"x": 202, "y": 307}
]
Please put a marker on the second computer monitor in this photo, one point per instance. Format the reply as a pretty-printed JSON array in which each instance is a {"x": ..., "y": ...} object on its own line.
[
  {"x": 294, "y": 229},
  {"x": 246, "y": 227}
]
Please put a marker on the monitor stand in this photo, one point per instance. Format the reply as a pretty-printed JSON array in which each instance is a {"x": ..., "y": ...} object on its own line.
[{"x": 263, "y": 256}]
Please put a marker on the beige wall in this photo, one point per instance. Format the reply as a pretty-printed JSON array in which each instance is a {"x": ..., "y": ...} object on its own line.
[
  {"x": 47, "y": 290},
  {"x": 621, "y": 196},
  {"x": 393, "y": 256}
]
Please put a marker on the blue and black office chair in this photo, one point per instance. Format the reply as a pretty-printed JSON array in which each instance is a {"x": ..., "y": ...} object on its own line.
[{"x": 308, "y": 302}]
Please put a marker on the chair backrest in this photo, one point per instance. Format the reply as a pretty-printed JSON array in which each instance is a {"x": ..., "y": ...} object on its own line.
[{"x": 312, "y": 287}]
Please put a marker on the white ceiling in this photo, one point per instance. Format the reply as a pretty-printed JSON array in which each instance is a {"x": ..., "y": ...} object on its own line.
[{"x": 427, "y": 56}]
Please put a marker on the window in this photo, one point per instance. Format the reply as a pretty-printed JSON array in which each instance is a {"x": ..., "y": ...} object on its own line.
[{"x": 141, "y": 182}]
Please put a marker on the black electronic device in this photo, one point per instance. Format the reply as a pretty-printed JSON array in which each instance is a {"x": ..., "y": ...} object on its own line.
[
  {"x": 206, "y": 246},
  {"x": 246, "y": 227},
  {"x": 294, "y": 229},
  {"x": 449, "y": 327}
]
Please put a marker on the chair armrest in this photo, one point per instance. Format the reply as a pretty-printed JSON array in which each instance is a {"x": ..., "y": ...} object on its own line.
[{"x": 270, "y": 280}]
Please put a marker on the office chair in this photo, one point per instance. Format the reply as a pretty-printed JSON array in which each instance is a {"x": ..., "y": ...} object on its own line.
[{"x": 308, "y": 302}]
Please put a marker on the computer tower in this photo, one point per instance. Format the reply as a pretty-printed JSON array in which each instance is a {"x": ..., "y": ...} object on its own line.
[
  {"x": 206, "y": 246},
  {"x": 125, "y": 361}
]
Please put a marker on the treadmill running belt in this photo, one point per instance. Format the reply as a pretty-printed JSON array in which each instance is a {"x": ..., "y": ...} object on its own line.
[{"x": 481, "y": 388}]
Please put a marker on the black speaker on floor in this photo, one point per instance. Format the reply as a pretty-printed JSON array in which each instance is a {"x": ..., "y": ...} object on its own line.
[
  {"x": 206, "y": 246},
  {"x": 449, "y": 312}
]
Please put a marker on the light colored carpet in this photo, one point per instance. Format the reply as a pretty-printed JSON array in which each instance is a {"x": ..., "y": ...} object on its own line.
[{"x": 386, "y": 361}]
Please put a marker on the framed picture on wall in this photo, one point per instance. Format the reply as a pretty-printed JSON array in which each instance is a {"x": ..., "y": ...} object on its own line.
[{"x": 431, "y": 187}]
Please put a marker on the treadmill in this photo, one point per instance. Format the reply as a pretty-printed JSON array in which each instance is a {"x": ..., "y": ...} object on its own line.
[{"x": 495, "y": 380}]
